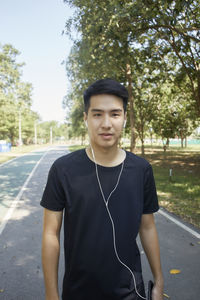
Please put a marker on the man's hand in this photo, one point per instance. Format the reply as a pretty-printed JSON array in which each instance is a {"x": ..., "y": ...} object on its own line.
[
  {"x": 149, "y": 239},
  {"x": 157, "y": 292}
]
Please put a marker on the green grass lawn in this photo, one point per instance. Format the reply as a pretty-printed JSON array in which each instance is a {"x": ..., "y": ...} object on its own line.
[
  {"x": 181, "y": 195},
  {"x": 75, "y": 147}
]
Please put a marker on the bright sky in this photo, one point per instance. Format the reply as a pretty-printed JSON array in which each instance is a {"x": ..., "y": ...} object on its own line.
[{"x": 34, "y": 27}]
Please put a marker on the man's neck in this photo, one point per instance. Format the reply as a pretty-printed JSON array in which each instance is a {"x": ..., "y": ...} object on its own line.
[{"x": 108, "y": 157}]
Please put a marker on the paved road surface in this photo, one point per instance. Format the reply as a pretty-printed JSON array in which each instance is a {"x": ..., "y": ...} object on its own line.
[
  {"x": 13, "y": 174},
  {"x": 20, "y": 261}
]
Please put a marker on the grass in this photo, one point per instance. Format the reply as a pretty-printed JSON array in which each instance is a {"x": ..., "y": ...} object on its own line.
[
  {"x": 75, "y": 147},
  {"x": 181, "y": 195}
]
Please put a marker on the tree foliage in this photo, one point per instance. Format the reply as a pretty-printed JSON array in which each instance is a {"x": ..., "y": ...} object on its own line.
[
  {"x": 153, "y": 47},
  {"x": 15, "y": 98},
  {"x": 45, "y": 129}
]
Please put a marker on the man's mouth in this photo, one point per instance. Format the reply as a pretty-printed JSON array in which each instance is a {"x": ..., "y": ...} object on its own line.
[{"x": 106, "y": 135}]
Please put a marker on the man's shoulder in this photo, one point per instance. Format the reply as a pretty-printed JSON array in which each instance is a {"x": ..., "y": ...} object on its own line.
[
  {"x": 69, "y": 159},
  {"x": 137, "y": 161}
]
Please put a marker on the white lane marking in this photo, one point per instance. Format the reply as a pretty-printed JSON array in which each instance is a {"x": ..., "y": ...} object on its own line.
[
  {"x": 180, "y": 224},
  {"x": 15, "y": 202},
  {"x": 10, "y": 160}
]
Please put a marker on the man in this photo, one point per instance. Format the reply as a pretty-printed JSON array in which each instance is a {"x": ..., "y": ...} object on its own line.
[{"x": 107, "y": 195}]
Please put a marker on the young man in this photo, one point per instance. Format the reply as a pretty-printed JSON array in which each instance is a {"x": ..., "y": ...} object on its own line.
[{"x": 108, "y": 195}]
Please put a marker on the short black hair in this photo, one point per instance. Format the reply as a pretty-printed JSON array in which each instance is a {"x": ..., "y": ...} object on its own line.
[{"x": 105, "y": 86}]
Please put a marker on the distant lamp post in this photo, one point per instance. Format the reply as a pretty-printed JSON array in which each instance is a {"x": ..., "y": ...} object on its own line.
[
  {"x": 51, "y": 136},
  {"x": 20, "y": 127},
  {"x": 35, "y": 130}
]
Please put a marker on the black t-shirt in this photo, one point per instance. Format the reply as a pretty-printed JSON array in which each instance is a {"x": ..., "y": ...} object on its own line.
[{"x": 92, "y": 270}]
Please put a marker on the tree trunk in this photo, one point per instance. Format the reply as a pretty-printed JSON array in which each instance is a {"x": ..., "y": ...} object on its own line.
[
  {"x": 82, "y": 139},
  {"x": 186, "y": 142},
  {"x": 182, "y": 138},
  {"x": 142, "y": 138},
  {"x": 198, "y": 90},
  {"x": 142, "y": 148},
  {"x": 12, "y": 138},
  {"x": 182, "y": 141},
  {"x": 167, "y": 143},
  {"x": 131, "y": 102}
]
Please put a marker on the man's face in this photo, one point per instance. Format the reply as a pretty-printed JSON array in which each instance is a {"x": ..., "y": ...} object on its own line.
[{"x": 105, "y": 120}]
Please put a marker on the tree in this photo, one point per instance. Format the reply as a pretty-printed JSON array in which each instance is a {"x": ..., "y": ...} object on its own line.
[
  {"x": 175, "y": 26},
  {"x": 45, "y": 129},
  {"x": 104, "y": 50},
  {"x": 10, "y": 70},
  {"x": 174, "y": 117},
  {"x": 8, "y": 119},
  {"x": 15, "y": 95},
  {"x": 120, "y": 39},
  {"x": 29, "y": 119}
]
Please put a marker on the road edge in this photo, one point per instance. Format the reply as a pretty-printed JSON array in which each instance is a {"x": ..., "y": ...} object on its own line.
[{"x": 179, "y": 222}]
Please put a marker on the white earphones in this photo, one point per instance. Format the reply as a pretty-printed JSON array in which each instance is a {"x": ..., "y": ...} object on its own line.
[{"x": 106, "y": 202}]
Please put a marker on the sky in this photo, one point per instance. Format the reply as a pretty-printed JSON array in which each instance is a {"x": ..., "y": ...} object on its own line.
[{"x": 34, "y": 27}]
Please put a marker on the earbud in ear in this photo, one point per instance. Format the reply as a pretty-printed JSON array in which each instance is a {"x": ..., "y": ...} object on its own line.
[
  {"x": 86, "y": 124},
  {"x": 124, "y": 124}
]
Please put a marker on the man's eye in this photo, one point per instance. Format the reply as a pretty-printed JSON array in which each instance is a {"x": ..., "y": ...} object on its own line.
[
  {"x": 115, "y": 115},
  {"x": 97, "y": 115}
]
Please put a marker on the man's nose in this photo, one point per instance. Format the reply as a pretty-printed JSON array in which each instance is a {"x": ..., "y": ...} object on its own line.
[{"x": 106, "y": 122}]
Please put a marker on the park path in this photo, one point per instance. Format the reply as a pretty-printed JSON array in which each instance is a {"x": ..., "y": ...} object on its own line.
[
  {"x": 20, "y": 242},
  {"x": 13, "y": 175}
]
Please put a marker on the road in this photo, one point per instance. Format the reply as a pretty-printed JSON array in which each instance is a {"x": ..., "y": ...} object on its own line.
[{"x": 22, "y": 182}]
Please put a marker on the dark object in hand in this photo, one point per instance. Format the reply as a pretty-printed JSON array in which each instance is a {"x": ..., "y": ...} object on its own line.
[{"x": 149, "y": 292}]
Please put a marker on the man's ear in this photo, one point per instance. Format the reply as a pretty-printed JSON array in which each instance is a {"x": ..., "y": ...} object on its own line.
[{"x": 125, "y": 119}]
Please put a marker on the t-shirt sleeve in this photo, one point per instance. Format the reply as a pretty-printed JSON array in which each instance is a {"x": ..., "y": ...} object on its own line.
[
  {"x": 150, "y": 194},
  {"x": 53, "y": 197}
]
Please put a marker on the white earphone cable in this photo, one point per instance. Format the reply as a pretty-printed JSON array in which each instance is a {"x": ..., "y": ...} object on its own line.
[{"x": 111, "y": 219}]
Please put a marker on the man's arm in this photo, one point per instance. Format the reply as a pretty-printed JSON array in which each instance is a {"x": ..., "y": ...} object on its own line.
[
  {"x": 51, "y": 251},
  {"x": 149, "y": 239}
]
